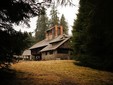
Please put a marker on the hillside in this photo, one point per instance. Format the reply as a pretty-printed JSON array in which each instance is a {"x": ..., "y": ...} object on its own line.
[{"x": 56, "y": 72}]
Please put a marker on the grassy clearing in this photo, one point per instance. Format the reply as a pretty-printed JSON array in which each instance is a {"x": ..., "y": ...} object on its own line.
[{"x": 57, "y": 72}]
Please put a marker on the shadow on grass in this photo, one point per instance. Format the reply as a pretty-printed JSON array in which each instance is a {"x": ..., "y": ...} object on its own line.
[
  {"x": 93, "y": 67},
  {"x": 7, "y": 74},
  {"x": 10, "y": 77}
]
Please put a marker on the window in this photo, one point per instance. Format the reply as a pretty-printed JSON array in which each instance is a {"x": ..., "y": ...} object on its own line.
[
  {"x": 62, "y": 50},
  {"x": 45, "y": 53},
  {"x": 51, "y": 52}
]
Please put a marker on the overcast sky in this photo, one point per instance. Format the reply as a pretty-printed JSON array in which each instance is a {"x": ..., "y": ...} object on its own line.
[{"x": 68, "y": 11}]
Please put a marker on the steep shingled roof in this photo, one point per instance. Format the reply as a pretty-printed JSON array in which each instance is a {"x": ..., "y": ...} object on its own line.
[
  {"x": 40, "y": 44},
  {"x": 59, "y": 38},
  {"x": 49, "y": 43},
  {"x": 54, "y": 46}
]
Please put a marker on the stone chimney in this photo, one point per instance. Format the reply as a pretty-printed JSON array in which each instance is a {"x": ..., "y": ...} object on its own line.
[
  {"x": 53, "y": 32},
  {"x": 56, "y": 30},
  {"x": 46, "y": 35},
  {"x": 61, "y": 30}
]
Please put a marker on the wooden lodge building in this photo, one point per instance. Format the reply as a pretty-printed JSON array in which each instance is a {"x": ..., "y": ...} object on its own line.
[{"x": 56, "y": 45}]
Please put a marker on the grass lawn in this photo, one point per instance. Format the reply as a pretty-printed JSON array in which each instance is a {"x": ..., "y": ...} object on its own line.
[{"x": 55, "y": 72}]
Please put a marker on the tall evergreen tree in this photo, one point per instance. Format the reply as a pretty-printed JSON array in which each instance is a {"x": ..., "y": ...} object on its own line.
[
  {"x": 12, "y": 43},
  {"x": 64, "y": 24},
  {"x": 93, "y": 32},
  {"x": 41, "y": 27},
  {"x": 15, "y": 11},
  {"x": 54, "y": 16}
]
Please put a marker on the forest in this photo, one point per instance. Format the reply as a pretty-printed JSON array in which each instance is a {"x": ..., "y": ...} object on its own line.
[
  {"x": 91, "y": 43},
  {"x": 92, "y": 32}
]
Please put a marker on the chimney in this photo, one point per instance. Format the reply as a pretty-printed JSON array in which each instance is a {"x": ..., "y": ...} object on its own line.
[
  {"x": 61, "y": 30},
  {"x": 53, "y": 32},
  {"x": 56, "y": 31},
  {"x": 46, "y": 35}
]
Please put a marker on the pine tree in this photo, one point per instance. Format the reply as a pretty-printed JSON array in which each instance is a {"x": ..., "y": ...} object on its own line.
[
  {"x": 13, "y": 43},
  {"x": 64, "y": 24},
  {"x": 92, "y": 34},
  {"x": 41, "y": 27},
  {"x": 54, "y": 16},
  {"x": 80, "y": 28}
]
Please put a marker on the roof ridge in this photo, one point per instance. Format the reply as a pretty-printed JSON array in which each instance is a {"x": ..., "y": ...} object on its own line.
[{"x": 62, "y": 42}]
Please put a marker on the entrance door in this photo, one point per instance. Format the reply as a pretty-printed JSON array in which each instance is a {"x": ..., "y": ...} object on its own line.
[{"x": 38, "y": 57}]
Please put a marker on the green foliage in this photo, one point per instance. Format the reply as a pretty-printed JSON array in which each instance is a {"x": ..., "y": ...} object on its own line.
[
  {"x": 80, "y": 28},
  {"x": 54, "y": 16},
  {"x": 92, "y": 33},
  {"x": 12, "y": 43},
  {"x": 64, "y": 24},
  {"x": 41, "y": 27},
  {"x": 15, "y": 11}
]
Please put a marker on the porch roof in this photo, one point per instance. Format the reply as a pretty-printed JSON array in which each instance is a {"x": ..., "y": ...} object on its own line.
[{"x": 27, "y": 52}]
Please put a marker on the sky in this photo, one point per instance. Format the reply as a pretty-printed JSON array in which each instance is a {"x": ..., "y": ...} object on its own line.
[{"x": 68, "y": 11}]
